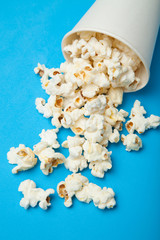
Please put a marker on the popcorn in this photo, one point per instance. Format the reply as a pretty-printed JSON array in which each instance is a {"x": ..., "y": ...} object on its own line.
[
  {"x": 107, "y": 128},
  {"x": 70, "y": 186},
  {"x": 109, "y": 56},
  {"x": 115, "y": 95},
  {"x": 100, "y": 167},
  {"x": 90, "y": 91},
  {"x": 86, "y": 35},
  {"x": 23, "y": 157},
  {"x": 53, "y": 108},
  {"x": 50, "y": 138},
  {"x": 73, "y": 49},
  {"x": 73, "y": 142},
  {"x": 112, "y": 115},
  {"x": 132, "y": 142},
  {"x": 79, "y": 186},
  {"x": 94, "y": 128},
  {"x": 45, "y": 152},
  {"x": 71, "y": 115},
  {"x": 75, "y": 161},
  {"x": 128, "y": 57},
  {"x": 43, "y": 108},
  {"x": 114, "y": 137},
  {"x": 33, "y": 195},
  {"x": 138, "y": 122},
  {"x": 79, "y": 127},
  {"x": 95, "y": 105},
  {"x": 102, "y": 198},
  {"x": 94, "y": 152},
  {"x": 49, "y": 159},
  {"x": 85, "y": 94}
]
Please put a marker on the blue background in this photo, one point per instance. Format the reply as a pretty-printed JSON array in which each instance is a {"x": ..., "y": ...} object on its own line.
[{"x": 31, "y": 32}]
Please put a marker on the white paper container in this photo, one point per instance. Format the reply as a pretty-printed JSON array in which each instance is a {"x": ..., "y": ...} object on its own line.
[{"x": 134, "y": 22}]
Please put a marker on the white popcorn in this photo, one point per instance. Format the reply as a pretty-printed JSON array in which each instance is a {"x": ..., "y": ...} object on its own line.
[
  {"x": 101, "y": 198},
  {"x": 75, "y": 161},
  {"x": 90, "y": 91},
  {"x": 115, "y": 95},
  {"x": 39, "y": 147},
  {"x": 119, "y": 60},
  {"x": 112, "y": 115},
  {"x": 100, "y": 67},
  {"x": 73, "y": 142},
  {"x": 94, "y": 128},
  {"x": 45, "y": 152},
  {"x": 100, "y": 167},
  {"x": 71, "y": 115},
  {"x": 86, "y": 35},
  {"x": 119, "y": 75},
  {"x": 50, "y": 138},
  {"x": 43, "y": 107},
  {"x": 49, "y": 159},
  {"x": 53, "y": 82},
  {"x": 45, "y": 73},
  {"x": 132, "y": 142},
  {"x": 107, "y": 128},
  {"x": 78, "y": 101},
  {"x": 95, "y": 105},
  {"x": 53, "y": 108},
  {"x": 23, "y": 157},
  {"x": 79, "y": 186},
  {"x": 75, "y": 164},
  {"x": 61, "y": 89},
  {"x": 79, "y": 127},
  {"x": 128, "y": 58},
  {"x": 73, "y": 49},
  {"x": 33, "y": 195},
  {"x": 114, "y": 137},
  {"x": 101, "y": 80},
  {"x": 138, "y": 122},
  {"x": 72, "y": 184},
  {"x": 95, "y": 152}
]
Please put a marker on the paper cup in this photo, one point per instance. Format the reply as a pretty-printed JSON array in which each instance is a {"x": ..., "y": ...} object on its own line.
[{"x": 133, "y": 22}]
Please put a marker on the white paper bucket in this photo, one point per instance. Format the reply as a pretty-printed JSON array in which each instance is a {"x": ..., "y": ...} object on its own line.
[{"x": 133, "y": 22}]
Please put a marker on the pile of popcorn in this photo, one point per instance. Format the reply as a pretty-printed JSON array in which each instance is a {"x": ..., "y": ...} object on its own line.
[{"x": 84, "y": 95}]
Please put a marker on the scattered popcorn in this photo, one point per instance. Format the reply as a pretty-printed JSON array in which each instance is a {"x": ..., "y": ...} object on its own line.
[
  {"x": 49, "y": 160},
  {"x": 53, "y": 108},
  {"x": 113, "y": 116},
  {"x": 50, "y": 138},
  {"x": 95, "y": 105},
  {"x": 98, "y": 158},
  {"x": 132, "y": 142},
  {"x": 84, "y": 95},
  {"x": 80, "y": 125},
  {"x": 102, "y": 198},
  {"x": 116, "y": 96},
  {"x": 120, "y": 61},
  {"x": 100, "y": 167},
  {"x": 94, "y": 128},
  {"x": 106, "y": 134},
  {"x": 114, "y": 137},
  {"x": 76, "y": 160},
  {"x": 95, "y": 152},
  {"x": 71, "y": 116},
  {"x": 23, "y": 157},
  {"x": 45, "y": 152},
  {"x": 128, "y": 58},
  {"x": 138, "y": 122},
  {"x": 78, "y": 185},
  {"x": 72, "y": 184},
  {"x": 33, "y": 195}
]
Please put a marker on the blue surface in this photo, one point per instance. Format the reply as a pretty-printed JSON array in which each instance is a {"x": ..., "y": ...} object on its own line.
[{"x": 31, "y": 32}]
